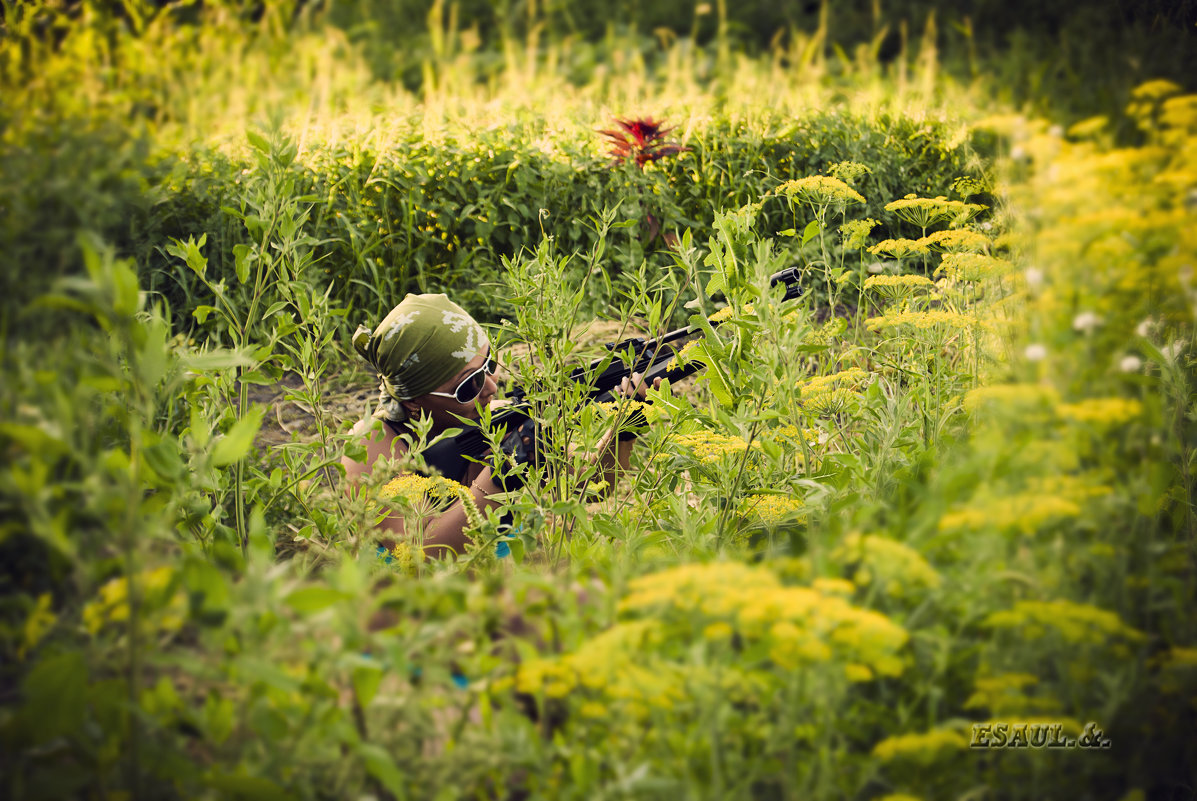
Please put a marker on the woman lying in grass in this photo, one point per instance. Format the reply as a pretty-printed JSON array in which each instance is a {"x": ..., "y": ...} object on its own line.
[{"x": 434, "y": 361}]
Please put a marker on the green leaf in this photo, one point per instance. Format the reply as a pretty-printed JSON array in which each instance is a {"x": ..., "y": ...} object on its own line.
[
  {"x": 55, "y": 692},
  {"x": 244, "y": 787},
  {"x": 720, "y": 386},
  {"x": 214, "y": 360},
  {"x": 152, "y": 362},
  {"x": 235, "y": 445},
  {"x": 381, "y": 766},
  {"x": 242, "y": 261},
  {"x": 34, "y": 440},
  {"x": 163, "y": 458},
  {"x": 717, "y": 284},
  {"x": 258, "y": 142},
  {"x": 810, "y": 231},
  {"x": 366, "y": 680},
  {"x": 308, "y": 600},
  {"x": 274, "y": 309}
]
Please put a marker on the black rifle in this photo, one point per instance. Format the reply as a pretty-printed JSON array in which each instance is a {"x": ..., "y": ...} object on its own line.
[{"x": 650, "y": 357}]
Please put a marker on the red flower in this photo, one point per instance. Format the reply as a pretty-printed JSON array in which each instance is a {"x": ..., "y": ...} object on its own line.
[{"x": 642, "y": 140}]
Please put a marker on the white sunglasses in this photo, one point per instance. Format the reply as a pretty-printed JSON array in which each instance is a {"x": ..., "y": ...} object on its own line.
[{"x": 471, "y": 386}]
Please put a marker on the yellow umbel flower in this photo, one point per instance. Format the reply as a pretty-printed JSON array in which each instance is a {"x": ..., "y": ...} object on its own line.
[
  {"x": 921, "y": 747},
  {"x": 772, "y": 510},
  {"x": 898, "y": 286},
  {"x": 1026, "y": 513},
  {"x": 956, "y": 241},
  {"x": 1017, "y": 399},
  {"x": 1157, "y": 89},
  {"x": 1101, "y": 411},
  {"x": 163, "y": 603},
  {"x": 973, "y": 267},
  {"x": 900, "y": 248},
  {"x": 925, "y": 212},
  {"x": 413, "y": 487},
  {"x": 1003, "y": 694},
  {"x": 926, "y": 320},
  {"x": 1075, "y": 623},
  {"x": 820, "y": 190},
  {"x": 831, "y": 394},
  {"x": 895, "y": 566},
  {"x": 727, "y": 312},
  {"x": 856, "y": 233},
  {"x": 709, "y": 447}
]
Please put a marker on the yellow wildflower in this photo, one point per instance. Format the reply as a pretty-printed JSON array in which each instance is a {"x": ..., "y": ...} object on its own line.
[
  {"x": 849, "y": 171},
  {"x": 853, "y": 376},
  {"x": 709, "y": 447},
  {"x": 858, "y": 674},
  {"x": 1022, "y": 512},
  {"x": 973, "y": 266},
  {"x": 1089, "y": 127},
  {"x": 1013, "y": 398},
  {"x": 925, "y": 212},
  {"x": 593, "y": 710},
  {"x": 1101, "y": 411},
  {"x": 717, "y": 631},
  {"x": 856, "y": 233},
  {"x": 896, "y": 566},
  {"x": 834, "y": 586},
  {"x": 900, "y": 248},
  {"x": 956, "y": 241},
  {"x": 1178, "y": 658},
  {"x": 651, "y": 413},
  {"x": 1075, "y": 623},
  {"x": 413, "y": 487},
  {"x": 163, "y": 603},
  {"x": 831, "y": 394},
  {"x": 727, "y": 312},
  {"x": 791, "y": 434},
  {"x": 41, "y": 619},
  {"x": 1157, "y": 89},
  {"x": 897, "y": 286},
  {"x": 771, "y": 510},
  {"x": 925, "y": 320},
  {"x": 1180, "y": 113},
  {"x": 921, "y": 747},
  {"x": 1078, "y": 489},
  {"x": 799, "y": 625},
  {"x": 1003, "y": 693},
  {"x": 820, "y": 190}
]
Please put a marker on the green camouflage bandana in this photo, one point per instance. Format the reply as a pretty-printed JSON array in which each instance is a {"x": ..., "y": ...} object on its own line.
[{"x": 421, "y": 344}]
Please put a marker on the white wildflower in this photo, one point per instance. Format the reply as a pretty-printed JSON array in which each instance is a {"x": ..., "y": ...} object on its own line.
[
  {"x": 1130, "y": 364},
  {"x": 1086, "y": 322},
  {"x": 1034, "y": 277},
  {"x": 1035, "y": 352}
]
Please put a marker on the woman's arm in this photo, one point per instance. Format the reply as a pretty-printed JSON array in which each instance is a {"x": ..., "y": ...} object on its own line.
[
  {"x": 615, "y": 454},
  {"x": 443, "y": 534}
]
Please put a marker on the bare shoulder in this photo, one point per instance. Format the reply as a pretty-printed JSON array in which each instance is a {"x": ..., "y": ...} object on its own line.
[{"x": 380, "y": 442}]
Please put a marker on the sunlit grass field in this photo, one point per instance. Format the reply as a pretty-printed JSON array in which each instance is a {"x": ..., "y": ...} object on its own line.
[{"x": 926, "y": 531}]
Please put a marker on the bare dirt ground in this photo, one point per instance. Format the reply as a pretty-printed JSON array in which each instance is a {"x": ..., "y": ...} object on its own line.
[{"x": 287, "y": 419}]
